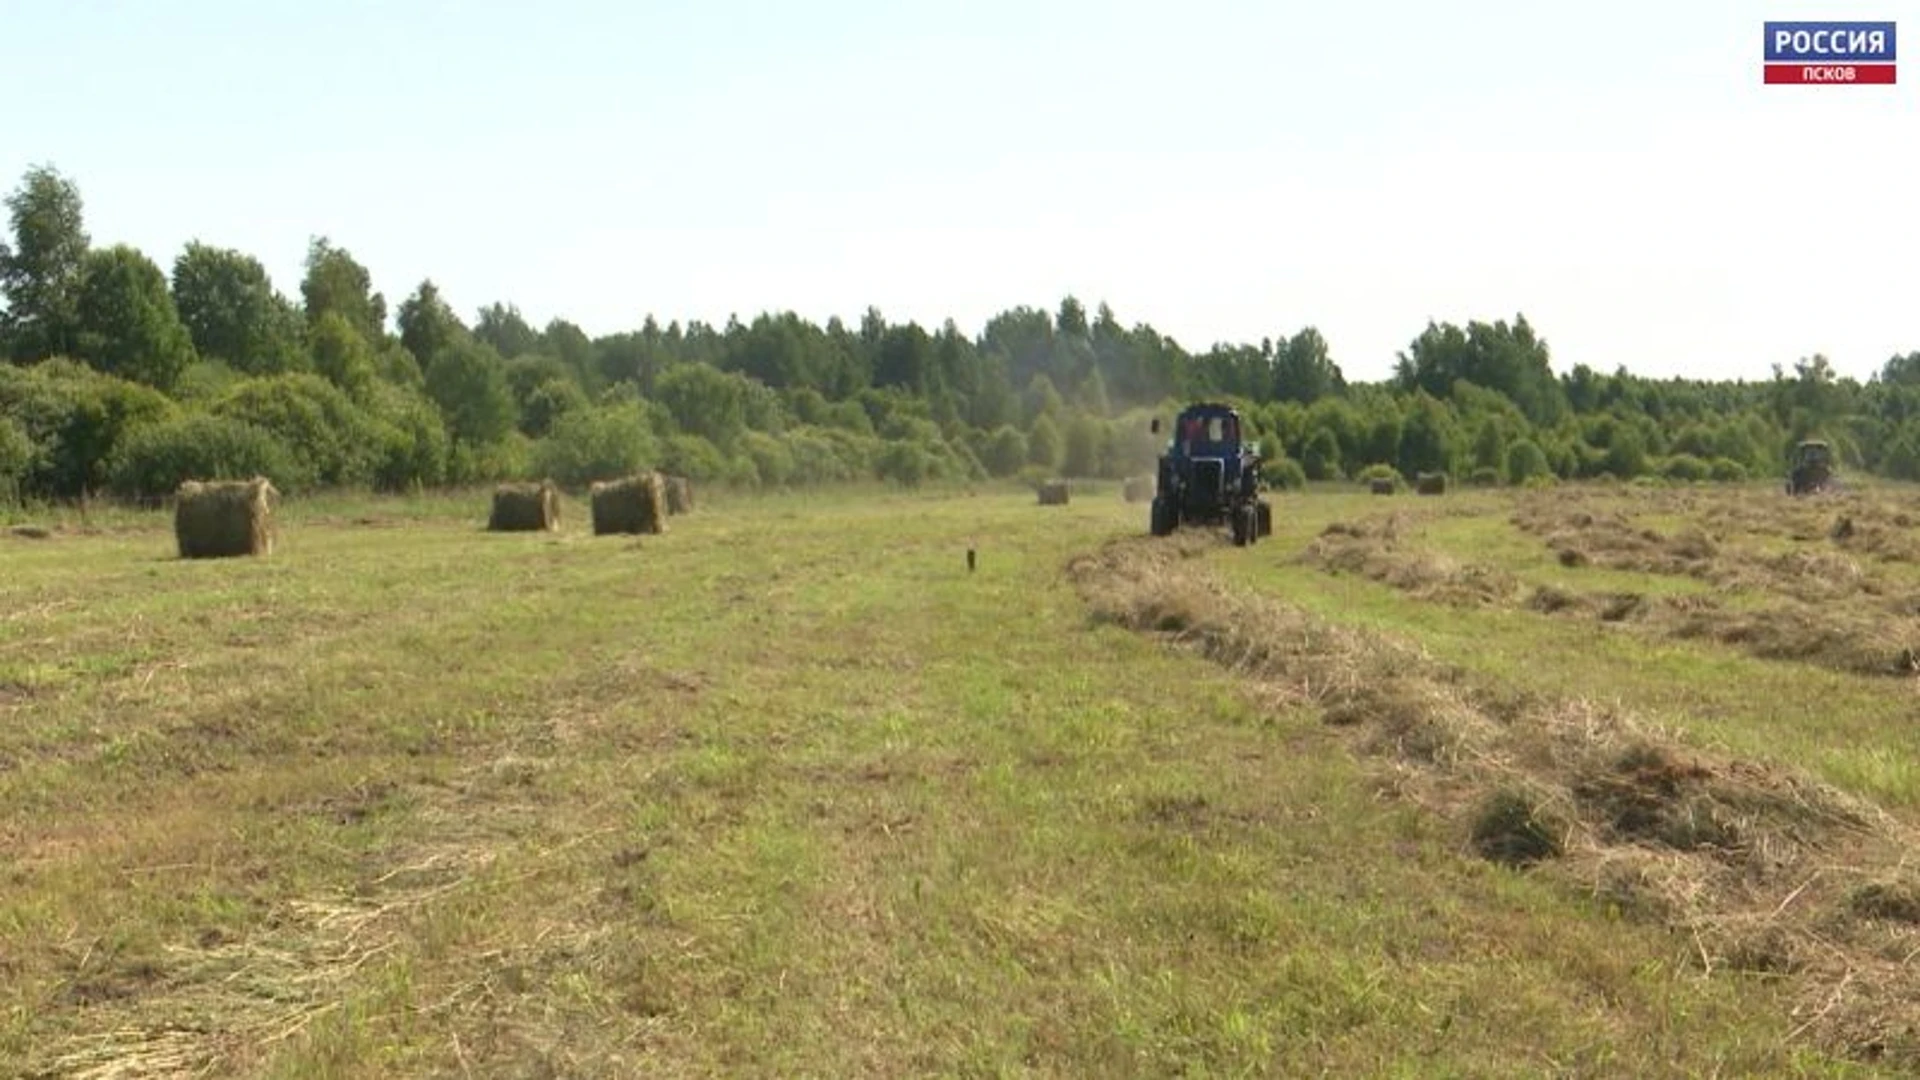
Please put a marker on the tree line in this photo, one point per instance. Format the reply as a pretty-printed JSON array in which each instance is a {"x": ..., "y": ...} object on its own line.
[{"x": 124, "y": 377}]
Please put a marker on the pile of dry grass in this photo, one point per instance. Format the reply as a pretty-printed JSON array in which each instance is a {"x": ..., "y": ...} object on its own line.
[
  {"x": 1758, "y": 868},
  {"x": 1138, "y": 489},
  {"x": 219, "y": 519},
  {"x": 1880, "y": 640},
  {"x": 525, "y": 508},
  {"x": 1374, "y": 552},
  {"x": 679, "y": 493},
  {"x": 1053, "y": 493},
  {"x": 633, "y": 504}
]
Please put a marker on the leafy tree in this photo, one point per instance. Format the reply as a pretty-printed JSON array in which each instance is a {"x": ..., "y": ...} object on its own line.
[
  {"x": 502, "y": 327},
  {"x": 40, "y": 272},
  {"x": 548, "y": 402},
  {"x": 233, "y": 313},
  {"x": 468, "y": 381},
  {"x": 706, "y": 402},
  {"x": 1046, "y": 447},
  {"x": 341, "y": 356},
  {"x": 1304, "y": 371},
  {"x": 427, "y": 325},
  {"x": 1320, "y": 458},
  {"x": 125, "y": 323},
  {"x": 336, "y": 282},
  {"x": 1525, "y": 461},
  {"x": 1084, "y": 444},
  {"x": 1005, "y": 452}
]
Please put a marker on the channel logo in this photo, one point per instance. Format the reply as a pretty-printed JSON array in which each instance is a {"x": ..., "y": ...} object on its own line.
[{"x": 1830, "y": 53}]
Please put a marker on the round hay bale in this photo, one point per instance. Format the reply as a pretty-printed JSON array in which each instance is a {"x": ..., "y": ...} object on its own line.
[
  {"x": 225, "y": 518},
  {"x": 525, "y": 508},
  {"x": 1139, "y": 489},
  {"x": 1053, "y": 493},
  {"x": 1380, "y": 485},
  {"x": 679, "y": 495},
  {"x": 633, "y": 504},
  {"x": 1430, "y": 484}
]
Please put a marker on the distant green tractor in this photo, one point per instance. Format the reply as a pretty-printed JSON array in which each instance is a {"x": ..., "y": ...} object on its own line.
[{"x": 1811, "y": 470}]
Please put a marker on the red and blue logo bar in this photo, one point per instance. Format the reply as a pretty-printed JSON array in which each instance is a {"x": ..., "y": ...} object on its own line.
[{"x": 1830, "y": 53}]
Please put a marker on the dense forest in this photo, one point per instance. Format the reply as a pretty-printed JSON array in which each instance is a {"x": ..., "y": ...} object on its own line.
[{"x": 124, "y": 379}]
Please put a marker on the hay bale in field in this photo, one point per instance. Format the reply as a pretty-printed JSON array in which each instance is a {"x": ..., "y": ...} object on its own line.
[
  {"x": 1380, "y": 485},
  {"x": 1139, "y": 489},
  {"x": 525, "y": 508},
  {"x": 218, "y": 519},
  {"x": 1430, "y": 484},
  {"x": 679, "y": 495},
  {"x": 633, "y": 504},
  {"x": 1053, "y": 493}
]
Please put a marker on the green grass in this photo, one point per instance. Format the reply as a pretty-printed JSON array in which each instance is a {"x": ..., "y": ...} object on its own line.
[{"x": 788, "y": 791}]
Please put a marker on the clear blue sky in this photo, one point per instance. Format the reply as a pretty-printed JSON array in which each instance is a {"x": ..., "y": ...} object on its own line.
[{"x": 1225, "y": 171}]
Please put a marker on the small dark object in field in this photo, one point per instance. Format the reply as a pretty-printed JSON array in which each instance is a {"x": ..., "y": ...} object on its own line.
[
  {"x": 224, "y": 518},
  {"x": 1381, "y": 485},
  {"x": 1842, "y": 528},
  {"x": 1572, "y": 557},
  {"x": 31, "y": 532},
  {"x": 1053, "y": 493},
  {"x": 969, "y": 559},
  {"x": 1430, "y": 484}
]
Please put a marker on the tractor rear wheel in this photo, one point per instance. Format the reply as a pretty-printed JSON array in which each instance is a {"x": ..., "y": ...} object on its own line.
[{"x": 1161, "y": 521}]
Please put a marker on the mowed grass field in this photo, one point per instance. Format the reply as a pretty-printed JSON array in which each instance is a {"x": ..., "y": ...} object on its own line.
[{"x": 789, "y": 791}]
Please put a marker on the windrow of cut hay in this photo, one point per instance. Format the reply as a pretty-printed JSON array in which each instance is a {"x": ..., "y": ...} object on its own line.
[
  {"x": 630, "y": 505},
  {"x": 224, "y": 518},
  {"x": 1609, "y": 539},
  {"x": 1859, "y": 639},
  {"x": 1755, "y": 867},
  {"x": 525, "y": 508}
]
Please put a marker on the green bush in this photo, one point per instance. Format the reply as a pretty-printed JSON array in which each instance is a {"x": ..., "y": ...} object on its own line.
[
  {"x": 75, "y": 418},
  {"x": 602, "y": 442},
  {"x": 693, "y": 457},
  {"x": 156, "y": 459},
  {"x": 1525, "y": 461},
  {"x": 1006, "y": 451},
  {"x": 1685, "y": 468},
  {"x": 771, "y": 458},
  {"x": 316, "y": 420},
  {"x": 1286, "y": 473},
  {"x": 1726, "y": 470},
  {"x": 1380, "y": 471},
  {"x": 16, "y": 456},
  {"x": 413, "y": 445}
]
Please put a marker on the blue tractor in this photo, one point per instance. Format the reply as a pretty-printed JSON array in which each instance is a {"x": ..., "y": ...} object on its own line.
[{"x": 1210, "y": 476}]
